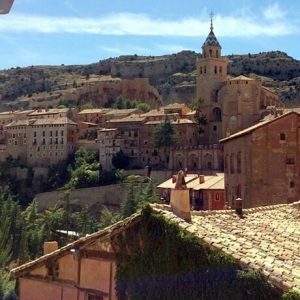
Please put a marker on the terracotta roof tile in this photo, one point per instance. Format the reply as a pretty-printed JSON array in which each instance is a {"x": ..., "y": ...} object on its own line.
[{"x": 267, "y": 238}]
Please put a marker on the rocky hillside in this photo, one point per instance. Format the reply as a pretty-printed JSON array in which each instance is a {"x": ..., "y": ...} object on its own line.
[{"x": 171, "y": 78}]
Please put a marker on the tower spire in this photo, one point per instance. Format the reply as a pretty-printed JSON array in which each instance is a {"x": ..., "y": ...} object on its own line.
[{"x": 211, "y": 21}]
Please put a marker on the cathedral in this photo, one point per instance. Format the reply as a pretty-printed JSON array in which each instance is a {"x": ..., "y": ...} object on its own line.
[{"x": 227, "y": 104}]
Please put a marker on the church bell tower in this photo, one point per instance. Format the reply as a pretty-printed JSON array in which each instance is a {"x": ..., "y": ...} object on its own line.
[{"x": 211, "y": 72}]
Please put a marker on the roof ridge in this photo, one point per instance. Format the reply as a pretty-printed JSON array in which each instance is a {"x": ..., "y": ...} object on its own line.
[
  {"x": 246, "y": 211},
  {"x": 102, "y": 234}
]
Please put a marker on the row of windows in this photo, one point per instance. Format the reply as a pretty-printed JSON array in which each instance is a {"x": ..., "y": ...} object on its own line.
[
  {"x": 15, "y": 142},
  {"x": 50, "y": 133},
  {"x": 14, "y": 135},
  {"x": 203, "y": 70},
  {"x": 38, "y": 148},
  {"x": 54, "y": 141},
  {"x": 44, "y": 126},
  {"x": 44, "y": 154}
]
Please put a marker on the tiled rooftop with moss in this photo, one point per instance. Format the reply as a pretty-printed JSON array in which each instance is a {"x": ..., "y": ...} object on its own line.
[{"x": 264, "y": 238}]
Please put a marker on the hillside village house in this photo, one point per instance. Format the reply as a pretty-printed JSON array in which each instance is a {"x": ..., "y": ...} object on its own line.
[
  {"x": 86, "y": 268},
  {"x": 40, "y": 138},
  {"x": 262, "y": 162},
  {"x": 206, "y": 192}
]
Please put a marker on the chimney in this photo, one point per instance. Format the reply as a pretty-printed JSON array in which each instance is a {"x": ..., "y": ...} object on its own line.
[
  {"x": 180, "y": 198},
  {"x": 185, "y": 172},
  {"x": 50, "y": 247},
  {"x": 239, "y": 206},
  {"x": 174, "y": 179},
  {"x": 201, "y": 179}
]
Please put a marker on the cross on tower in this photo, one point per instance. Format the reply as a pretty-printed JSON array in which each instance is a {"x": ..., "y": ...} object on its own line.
[{"x": 211, "y": 20}]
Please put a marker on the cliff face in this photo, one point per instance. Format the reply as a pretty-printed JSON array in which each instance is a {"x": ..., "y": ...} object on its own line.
[
  {"x": 99, "y": 90},
  {"x": 171, "y": 78}
]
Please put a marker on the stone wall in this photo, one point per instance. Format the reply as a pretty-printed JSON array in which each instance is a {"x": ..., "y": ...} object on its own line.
[{"x": 94, "y": 198}]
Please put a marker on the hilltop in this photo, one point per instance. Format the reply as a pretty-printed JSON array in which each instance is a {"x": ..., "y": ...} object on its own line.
[{"x": 150, "y": 79}]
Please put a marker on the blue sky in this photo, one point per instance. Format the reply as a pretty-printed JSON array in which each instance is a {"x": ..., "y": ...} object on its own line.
[{"x": 54, "y": 32}]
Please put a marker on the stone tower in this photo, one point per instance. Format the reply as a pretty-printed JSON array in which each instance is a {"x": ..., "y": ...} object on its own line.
[{"x": 211, "y": 72}]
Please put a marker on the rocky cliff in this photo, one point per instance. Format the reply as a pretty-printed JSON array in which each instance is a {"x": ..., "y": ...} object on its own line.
[{"x": 170, "y": 78}]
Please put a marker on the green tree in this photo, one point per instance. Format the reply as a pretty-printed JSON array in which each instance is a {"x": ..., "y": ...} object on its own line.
[
  {"x": 129, "y": 205},
  {"x": 120, "y": 160},
  {"x": 120, "y": 103},
  {"x": 164, "y": 137},
  {"x": 143, "y": 107},
  {"x": 108, "y": 218}
]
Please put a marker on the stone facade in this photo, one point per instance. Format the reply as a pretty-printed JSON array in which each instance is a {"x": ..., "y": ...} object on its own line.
[
  {"x": 110, "y": 143},
  {"x": 50, "y": 141},
  {"x": 41, "y": 138},
  {"x": 261, "y": 162}
]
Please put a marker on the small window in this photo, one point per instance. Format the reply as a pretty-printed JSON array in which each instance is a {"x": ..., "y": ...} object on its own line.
[
  {"x": 217, "y": 197},
  {"x": 216, "y": 69},
  {"x": 215, "y": 128},
  {"x": 292, "y": 184},
  {"x": 94, "y": 297},
  {"x": 282, "y": 136},
  {"x": 290, "y": 160}
]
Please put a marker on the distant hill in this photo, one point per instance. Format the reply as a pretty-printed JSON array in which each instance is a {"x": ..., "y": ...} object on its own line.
[{"x": 173, "y": 76}]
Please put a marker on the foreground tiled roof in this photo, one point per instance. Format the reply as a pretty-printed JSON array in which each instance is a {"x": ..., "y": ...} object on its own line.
[{"x": 266, "y": 238}]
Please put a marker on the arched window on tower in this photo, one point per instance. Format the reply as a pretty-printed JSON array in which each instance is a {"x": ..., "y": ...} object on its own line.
[
  {"x": 201, "y": 71},
  {"x": 239, "y": 162},
  {"x": 210, "y": 53},
  {"x": 204, "y": 69},
  {"x": 217, "y": 114},
  {"x": 216, "y": 69},
  {"x": 233, "y": 121},
  {"x": 217, "y": 53},
  {"x": 232, "y": 164},
  {"x": 220, "y": 70}
]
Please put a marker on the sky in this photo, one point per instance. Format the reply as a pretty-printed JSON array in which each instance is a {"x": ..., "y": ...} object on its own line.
[{"x": 55, "y": 32}]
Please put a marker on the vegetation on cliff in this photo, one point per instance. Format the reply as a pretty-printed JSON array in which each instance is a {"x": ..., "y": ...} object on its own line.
[{"x": 172, "y": 75}]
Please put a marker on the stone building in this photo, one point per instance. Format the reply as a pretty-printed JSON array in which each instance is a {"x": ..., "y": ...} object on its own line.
[
  {"x": 205, "y": 192},
  {"x": 16, "y": 134},
  {"x": 50, "y": 140},
  {"x": 8, "y": 117},
  {"x": 227, "y": 104},
  {"x": 110, "y": 143},
  {"x": 261, "y": 162},
  {"x": 26, "y": 135}
]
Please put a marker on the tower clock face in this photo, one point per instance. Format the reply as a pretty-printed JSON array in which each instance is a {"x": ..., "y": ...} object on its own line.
[{"x": 5, "y": 6}]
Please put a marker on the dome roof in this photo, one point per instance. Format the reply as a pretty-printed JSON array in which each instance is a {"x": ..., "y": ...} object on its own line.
[{"x": 211, "y": 40}]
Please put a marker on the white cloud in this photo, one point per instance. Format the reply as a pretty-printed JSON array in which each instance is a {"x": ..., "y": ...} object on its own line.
[
  {"x": 274, "y": 12},
  {"x": 143, "y": 25}
]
